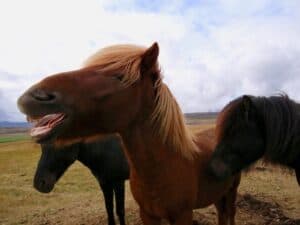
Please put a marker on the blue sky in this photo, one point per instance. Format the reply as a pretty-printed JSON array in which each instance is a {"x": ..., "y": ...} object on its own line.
[{"x": 210, "y": 51}]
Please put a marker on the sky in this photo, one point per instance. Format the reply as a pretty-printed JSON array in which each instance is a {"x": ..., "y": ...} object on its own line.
[{"x": 211, "y": 51}]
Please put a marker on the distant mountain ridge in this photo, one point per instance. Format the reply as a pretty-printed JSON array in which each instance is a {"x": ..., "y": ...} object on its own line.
[{"x": 8, "y": 124}]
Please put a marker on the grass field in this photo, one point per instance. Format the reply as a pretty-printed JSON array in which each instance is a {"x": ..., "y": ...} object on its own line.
[
  {"x": 13, "y": 137},
  {"x": 267, "y": 195}
]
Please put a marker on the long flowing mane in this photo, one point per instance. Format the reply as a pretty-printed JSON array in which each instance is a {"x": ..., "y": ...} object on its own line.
[
  {"x": 167, "y": 117},
  {"x": 280, "y": 118}
]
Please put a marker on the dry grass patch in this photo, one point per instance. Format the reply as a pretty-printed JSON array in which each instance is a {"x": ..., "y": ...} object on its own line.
[{"x": 76, "y": 199}]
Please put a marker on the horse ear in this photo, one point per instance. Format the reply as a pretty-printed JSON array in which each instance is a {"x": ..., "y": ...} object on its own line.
[{"x": 149, "y": 58}]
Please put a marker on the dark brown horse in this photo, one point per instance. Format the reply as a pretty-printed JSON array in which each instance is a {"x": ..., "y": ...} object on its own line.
[
  {"x": 249, "y": 128},
  {"x": 120, "y": 89},
  {"x": 104, "y": 158}
]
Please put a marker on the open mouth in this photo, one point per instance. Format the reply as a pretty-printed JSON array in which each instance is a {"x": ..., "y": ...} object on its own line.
[{"x": 43, "y": 126}]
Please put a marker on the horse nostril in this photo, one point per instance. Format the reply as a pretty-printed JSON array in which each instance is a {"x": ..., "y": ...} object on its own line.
[
  {"x": 43, "y": 183},
  {"x": 42, "y": 95}
]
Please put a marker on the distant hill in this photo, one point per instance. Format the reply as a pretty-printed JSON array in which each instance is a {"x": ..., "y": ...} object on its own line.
[
  {"x": 201, "y": 115},
  {"x": 7, "y": 124}
]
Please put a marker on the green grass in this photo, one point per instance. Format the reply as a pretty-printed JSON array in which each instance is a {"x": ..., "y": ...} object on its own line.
[{"x": 14, "y": 138}]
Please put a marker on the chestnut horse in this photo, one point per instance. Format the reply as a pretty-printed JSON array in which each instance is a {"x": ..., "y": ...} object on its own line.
[
  {"x": 250, "y": 128},
  {"x": 120, "y": 89}
]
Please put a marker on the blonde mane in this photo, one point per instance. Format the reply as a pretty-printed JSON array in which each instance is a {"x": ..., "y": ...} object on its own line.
[
  {"x": 167, "y": 118},
  {"x": 169, "y": 122},
  {"x": 123, "y": 58}
]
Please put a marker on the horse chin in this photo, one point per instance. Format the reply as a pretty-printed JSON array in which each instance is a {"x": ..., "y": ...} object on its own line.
[
  {"x": 45, "y": 186},
  {"x": 61, "y": 141},
  {"x": 45, "y": 190}
]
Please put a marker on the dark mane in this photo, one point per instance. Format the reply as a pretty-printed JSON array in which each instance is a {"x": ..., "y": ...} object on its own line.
[{"x": 279, "y": 116}]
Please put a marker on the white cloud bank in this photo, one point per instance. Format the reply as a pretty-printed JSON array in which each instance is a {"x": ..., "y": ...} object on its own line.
[{"x": 211, "y": 51}]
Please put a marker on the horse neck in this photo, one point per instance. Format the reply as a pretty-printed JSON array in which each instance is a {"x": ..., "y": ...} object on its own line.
[
  {"x": 88, "y": 157},
  {"x": 146, "y": 153}
]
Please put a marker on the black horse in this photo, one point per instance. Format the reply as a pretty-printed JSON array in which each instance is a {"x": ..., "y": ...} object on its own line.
[
  {"x": 249, "y": 128},
  {"x": 104, "y": 158}
]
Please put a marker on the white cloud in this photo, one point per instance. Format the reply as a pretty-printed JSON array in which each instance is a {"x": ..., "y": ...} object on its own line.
[{"x": 211, "y": 51}]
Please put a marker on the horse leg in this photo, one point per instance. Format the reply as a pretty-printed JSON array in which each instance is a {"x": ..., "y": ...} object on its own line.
[
  {"x": 232, "y": 194},
  {"x": 226, "y": 206},
  {"x": 184, "y": 218},
  {"x": 107, "y": 190},
  {"x": 221, "y": 207},
  {"x": 120, "y": 198},
  {"x": 232, "y": 208},
  {"x": 149, "y": 220}
]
